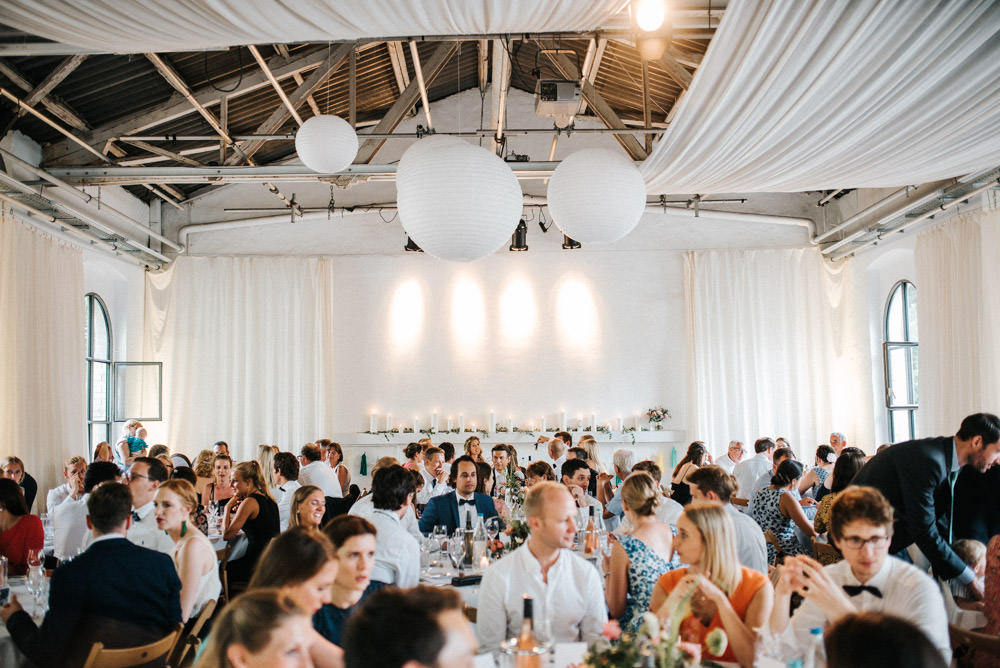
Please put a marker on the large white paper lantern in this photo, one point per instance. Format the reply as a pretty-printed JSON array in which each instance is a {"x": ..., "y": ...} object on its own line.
[
  {"x": 596, "y": 195},
  {"x": 326, "y": 144},
  {"x": 457, "y": 201}
]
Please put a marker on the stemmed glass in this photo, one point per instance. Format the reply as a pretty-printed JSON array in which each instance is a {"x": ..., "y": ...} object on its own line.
[{"x": 456, "y": 549}]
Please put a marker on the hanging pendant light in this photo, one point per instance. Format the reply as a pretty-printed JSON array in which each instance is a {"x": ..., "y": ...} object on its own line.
[{"x": 326, "y": 144}]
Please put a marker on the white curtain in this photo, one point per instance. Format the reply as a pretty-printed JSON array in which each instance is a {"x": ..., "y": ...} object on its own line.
[
  {"x": 177, "y": 25},
  {"x": 958, "y": 306},
  {"x": 42, "y": 351},
  {"x": 795, "y": 95},
  {"x": 774, "y": 350},
  {"x": 246, "y": 350}
]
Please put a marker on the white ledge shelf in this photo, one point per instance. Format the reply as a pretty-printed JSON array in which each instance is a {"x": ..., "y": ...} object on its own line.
[{"x": 514, "y": 438}]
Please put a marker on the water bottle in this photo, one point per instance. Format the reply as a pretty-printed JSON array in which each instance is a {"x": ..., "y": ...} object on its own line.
[
  {"x": 815, "y": 650},
  {"x": 479, "y": 541}
]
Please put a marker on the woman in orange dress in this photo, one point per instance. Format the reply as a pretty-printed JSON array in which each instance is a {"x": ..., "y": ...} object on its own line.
[{"x": 725, "y": 595}]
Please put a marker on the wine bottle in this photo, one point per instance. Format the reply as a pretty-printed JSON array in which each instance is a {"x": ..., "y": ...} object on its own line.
[
  {"x": 467, "y": 559},
  {"x": 590, "y": 536},
  {"x": 528, "y": 655}
]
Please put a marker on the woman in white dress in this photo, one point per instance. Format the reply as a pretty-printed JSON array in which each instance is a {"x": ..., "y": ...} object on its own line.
[{"x": 194, "y": 557}]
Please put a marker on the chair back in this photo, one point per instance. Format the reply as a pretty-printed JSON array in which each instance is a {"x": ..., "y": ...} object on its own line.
[
  {"x": 825, "y": 553},
  {"x": 740, "y": 501},
  {"x": 100, "y": 657},
  {"x": 223, "y": 557},
  {"x": 193, "y": 636},
  {"x": 771, "y": 539}
]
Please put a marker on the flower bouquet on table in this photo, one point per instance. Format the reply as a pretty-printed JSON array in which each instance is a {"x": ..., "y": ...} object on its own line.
[
  {"x": 654, "y": 646},
  {"x": 657, "y": 415}
]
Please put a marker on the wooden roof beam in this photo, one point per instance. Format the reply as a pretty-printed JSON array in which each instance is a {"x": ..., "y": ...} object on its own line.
[
  {"x": 668, "y": 61},
  {"x": 56, "y": 106},
  {"x": 274, "y": 82},
  {"x": 157, "y": 150}
]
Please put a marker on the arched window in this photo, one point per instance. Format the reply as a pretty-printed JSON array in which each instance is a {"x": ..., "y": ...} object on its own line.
[
  {"x": 99, "y": 347},
  {"x": 901, "y": 360}
]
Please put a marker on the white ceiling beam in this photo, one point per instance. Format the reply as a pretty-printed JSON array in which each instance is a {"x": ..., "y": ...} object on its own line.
[
  {"x": 501, "y": 85},
  {"x": 483, "y": 63},
  {"x": 274, "y": 82}
]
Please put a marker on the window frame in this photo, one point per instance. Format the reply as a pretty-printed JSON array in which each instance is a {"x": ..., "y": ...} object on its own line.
[
  {"x": 92, "y": 359},
  {"x": 912, "y": 346}
]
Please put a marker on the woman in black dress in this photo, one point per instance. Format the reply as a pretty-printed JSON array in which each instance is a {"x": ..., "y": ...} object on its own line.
[{"x": 252, "y": 510}]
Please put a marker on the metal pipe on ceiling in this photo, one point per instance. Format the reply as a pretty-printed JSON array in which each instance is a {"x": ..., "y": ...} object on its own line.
[{"x": 408, "y": 135}]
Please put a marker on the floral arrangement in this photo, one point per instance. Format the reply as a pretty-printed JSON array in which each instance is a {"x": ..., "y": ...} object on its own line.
[
  {"x": 517, "y": 532},
  {"x": 658, "y": 414},
  {"x": 653, "y": 646}
]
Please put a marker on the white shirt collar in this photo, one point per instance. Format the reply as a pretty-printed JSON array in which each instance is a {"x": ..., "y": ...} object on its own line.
[
  {"x": 144, "y": 511},
  {"x": 107, "y": 536}
]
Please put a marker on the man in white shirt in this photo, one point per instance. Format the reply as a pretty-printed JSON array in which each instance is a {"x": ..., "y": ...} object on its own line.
[
  {"x": 75, "y": 510},
  {"x": 435, "y": 475},
  {"x": 74, "y": 466},
  {"x": 286, "y": 476},
  {"x": 838, "y": 441},
  {"x": 566, "y": 589},
  {"x": 69, "y": 517},
  {"x": 748, "y": 470},
  {"x": 314, "y": 471},
  {"x": 711, "y": 484},
  {"x": 143, "y": 479},
  {"x": 576, "y": 476},
  {"x": 733, "y": 457},
  {"x": 867, "y": 580},
  {"x": 667, "y": 510},
  {"x": 557, "y": 447},
  {"x": 397, "y": 553}
]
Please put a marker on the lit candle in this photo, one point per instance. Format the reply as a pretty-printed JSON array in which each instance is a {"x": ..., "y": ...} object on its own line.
[
  {"x": 450, "y": 425},
  {"x": 416, "y": 426},
  {"x": 593, "y": 421},
  {"x": 543, "y": 424},
  {"x": 562, "y": 420},
  {"x": 510, "y": 425},
  {"x": 434, "y": 421},
  {"x": 484, "y": 562},
  {"x": 388, "y": 422},
  {"x": 636, "y": 421},
  {"x": 491, "y": 427},
  {"x": 579, "y": 423},
  {"x": 371, "y": 423},
  {"x": 621, "y": 424},
  {"x": 461, "y": 423}
]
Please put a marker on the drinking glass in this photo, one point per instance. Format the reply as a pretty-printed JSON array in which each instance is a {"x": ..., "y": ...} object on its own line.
[
  {"x": 34, "y": 558},
  {"x": 456, "y": 549}
]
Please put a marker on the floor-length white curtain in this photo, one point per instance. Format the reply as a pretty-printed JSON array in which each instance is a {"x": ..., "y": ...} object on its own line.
[
  {"x": 774, "y": 349},
  {"x": 246, "y": 350},
  {"x": 42, "y": 351},
  {"x": 958, "y": 306}
]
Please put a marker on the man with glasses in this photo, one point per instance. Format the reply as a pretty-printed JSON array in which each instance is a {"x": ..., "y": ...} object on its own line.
[
  {"x": 143, "y": 479},
  {"x": 733, "y": 457},
  {"x": 867, "y": 580}
]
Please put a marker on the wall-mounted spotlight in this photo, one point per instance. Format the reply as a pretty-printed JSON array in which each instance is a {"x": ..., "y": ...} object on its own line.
[
  {"x": 570, "y": 244},
  {"x": 519, "y": 240},
  {"x": 412, "y": 246}
]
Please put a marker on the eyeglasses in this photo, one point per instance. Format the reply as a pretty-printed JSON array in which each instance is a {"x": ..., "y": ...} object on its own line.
[
  {"x": 857, "y": 542},
  {"x": 132, "y": 476}
]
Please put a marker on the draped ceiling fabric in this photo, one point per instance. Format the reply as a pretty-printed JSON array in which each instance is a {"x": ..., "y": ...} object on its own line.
[
  {"x": 246, "y": 350},
  {"x": 177, "y": 25},
  {"x": 795, "y": 96}
]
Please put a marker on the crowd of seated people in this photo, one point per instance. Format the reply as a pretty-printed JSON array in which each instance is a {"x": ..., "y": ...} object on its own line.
[{"x": 317, "y": 580}]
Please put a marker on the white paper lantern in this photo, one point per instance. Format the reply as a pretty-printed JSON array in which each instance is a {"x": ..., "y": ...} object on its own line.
[
  {"x": 326, "y": 144},
  {"x": 596, "y": 195},
  {"x": 457, "y": 201}
]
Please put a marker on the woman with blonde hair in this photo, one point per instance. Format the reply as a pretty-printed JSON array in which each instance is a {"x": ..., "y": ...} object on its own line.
[
  {"x": 203, "y": 468},
  {"x": 194, "y": 557},
  {"x": 639, "y": 556},
  {"x": 307, "y": 508},
  {"x": 474, "y": 448},
  {"x": 103, "y": 452},
  {"x": 252, "y": 510},
  {"x": 723, "y": 594},
  {"x": 265, "y": 457}
]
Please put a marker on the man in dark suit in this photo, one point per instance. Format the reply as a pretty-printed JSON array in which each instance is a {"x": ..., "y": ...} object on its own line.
[
  {"x": 917, "y": 478},
  {"x": 451, "y": 509},
  {"x": 116, "y": 592}
]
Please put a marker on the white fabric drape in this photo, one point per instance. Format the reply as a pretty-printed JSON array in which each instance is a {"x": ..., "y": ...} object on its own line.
[
  {"x": 958, "y": 306},
  {"x": 176, "y": 25},
  {"x": 42, "y": 352},
  {"x": 796, "y": 96},
  {"x": 246, "y": 350},
  {"x": 774, "y": 349}
]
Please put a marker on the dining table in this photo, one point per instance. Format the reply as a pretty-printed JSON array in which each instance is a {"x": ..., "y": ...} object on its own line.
[{"x": 10, "y": 655}]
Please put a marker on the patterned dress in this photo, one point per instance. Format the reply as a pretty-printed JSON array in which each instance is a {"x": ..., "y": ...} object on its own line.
[
  {"x": 821, "y": 474},
  {"x": 644, "y": 569},
  {"x": 991, "y": 597},
  {"x": 768, "y": 516}
]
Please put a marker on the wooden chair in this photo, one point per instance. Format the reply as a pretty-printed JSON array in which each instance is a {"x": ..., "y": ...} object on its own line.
[
  {"x": 191, "y": 641},
  {"x": 770, "y": 538},
  {"x": 740, "y": 501},
  {"x": 825, "y": 553},
  {"x": 470, "y": 613},
  {"x": 223, "y": 557},
  {"x": 132, "y": 656}
]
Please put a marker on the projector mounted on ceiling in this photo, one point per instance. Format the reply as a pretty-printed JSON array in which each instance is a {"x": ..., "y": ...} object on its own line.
[{"x": 558, "y": 99}]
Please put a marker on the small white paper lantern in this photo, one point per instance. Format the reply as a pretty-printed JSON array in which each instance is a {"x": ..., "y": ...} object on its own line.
[
  {"x": 326, "y": 144},
  {"x": 457, "y": 201},
  {"x": 596, "y": 195}
]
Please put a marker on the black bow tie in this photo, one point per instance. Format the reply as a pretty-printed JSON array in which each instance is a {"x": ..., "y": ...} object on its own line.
[
  {"x": 853, "y": 590},
  {"x": 463, "y": 502},
  {"x": 135, "y": 517}
]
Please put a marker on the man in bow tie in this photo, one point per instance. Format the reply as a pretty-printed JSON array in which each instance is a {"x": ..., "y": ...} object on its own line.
[
  {"x": 867, "y": 580},
  {"x": 450, "y": 510}
]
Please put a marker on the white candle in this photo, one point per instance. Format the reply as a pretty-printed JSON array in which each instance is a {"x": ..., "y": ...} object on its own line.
[
  {"x": 388, "y": 422},
  {"x": 491, "y": 427},
  {"x": 461, "y": 424},
  {"x": 579, "y": 423},
  {"x": 636, "y": 422},
  {"x": 543, "y": 424},
  {"x": 621, "y": 425},
  {"x": 484, "y": 562},
  {"x": 450, "y": 425},
  {"x": 371, "y": 423},
  {"x": 416, "y": 426},
  {"x": 434, "y": 421},
  {"x": 562, "y": 420},
  {"x": 593, "y": 421},
  {"x": 510, "y": 425}
]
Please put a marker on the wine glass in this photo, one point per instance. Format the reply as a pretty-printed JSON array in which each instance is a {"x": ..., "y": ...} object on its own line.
[
  {"x": 456, "y": 549},
  {"x": 34, "y": 558}
]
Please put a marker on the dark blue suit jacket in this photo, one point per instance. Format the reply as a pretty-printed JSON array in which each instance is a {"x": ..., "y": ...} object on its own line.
[
  {"x": 443, "y": 509},
  {"x": 914, "y": 476},
  {"x": 116, "y": 592}
]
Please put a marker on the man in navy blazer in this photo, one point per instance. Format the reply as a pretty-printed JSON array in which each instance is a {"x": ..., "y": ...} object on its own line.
[
  {"x": 116, "y": 592},
  {"x": 450, "y": 509},
  {"x": 916, "y": 477}
]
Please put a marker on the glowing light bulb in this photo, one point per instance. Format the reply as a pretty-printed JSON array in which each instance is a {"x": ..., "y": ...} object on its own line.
[{"x": 649, "y": 14}]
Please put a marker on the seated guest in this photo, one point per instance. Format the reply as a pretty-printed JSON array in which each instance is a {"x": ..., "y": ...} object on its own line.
[
  {"x": 218, "y": 492},
  {"x": 265, "y": 457},
  {"x": 712, "y": 484},
  {"x": 750, "y": 469},
  {"x": 427, "y": 629},
  {"x": 354, "y": 540},
  {"x": 335, "y": 460},
  {"x": 19, "y": 531},
  {"x": 414, "y": 453},
  {"x": 776, "y": 508},
  {"x": 143, "y": 479},
  {"x": 364, "y": 507},
  {"x": 193, "y": 554},
  {"x": 504, "y": 467},
  {"x": 485, "y": 483},
  {"x": 116, "y": 592},
  {"x": 734, "y": 455},
  {"x": 546, "y": 569},
  {"x": 179, "y": 459},
  {"x": 780, "y": 455},
  {"x": 199, "y": 517},
  {"x": 221, "y": 448},
  {"x": 14, "y": 468},
  {"x": 973, "y": 553},
  {"x": 449, "y": 452},
  {"x": 260, "y": 628},
  {"x": 286, "y": 475},
  {"x": 640, "y": 556},
  {"x": 814, "y": 478},
  {"x": 867, "y": 580},
  {"x": 253, "y": 511},
  {"x": 575, "y": 474},
  {"x": 307, "y": 508},
  {"x": 74, "y": 467},
  {"x": 302, "y": 564},
  {"x": 168, "y": 464},
  {"x": 69, "y": 524},
  {"x": 314, "y": 471},
  {"x": 397, "y": 553},
  {"x": 450, "y": 510},
  {"x": 876, "y": 640},
  {"x": 667, "y": 510},
  {"x": 474, "y": 449},
  {"x": 726, "y": 595},
  {"x": 537, "y": 472},
  {"x": 103, "y": 452},
  {"x": 680, "y": 489},
  {"x": 73, "y": 514},
  {"x": 851, "y": 461},
  {"x": 203, "y": 464},
  {"x": 157, "y": 450},
  {"x": 435, "y": 475},
  {"x": 577, "y": 452}
]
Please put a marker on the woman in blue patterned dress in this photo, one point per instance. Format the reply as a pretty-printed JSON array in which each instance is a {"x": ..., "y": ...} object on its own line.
[
  {"x": 776, "y": 507},
  {"x": 812, "y": 481},
  {"x": 640, "y": 556}
]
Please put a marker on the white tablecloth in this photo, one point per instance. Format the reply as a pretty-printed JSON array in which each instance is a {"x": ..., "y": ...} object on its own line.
[{"x": 9, "y": 654}]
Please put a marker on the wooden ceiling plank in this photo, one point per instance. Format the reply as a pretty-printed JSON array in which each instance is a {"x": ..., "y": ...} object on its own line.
[
  {"x": 483, "y": 64},
  {"x": 274, "y": 82},
  {"x": 675, "y": 70},
  {"x": 56, "y": 106},
  {"x": 158, "y": 150}
]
